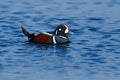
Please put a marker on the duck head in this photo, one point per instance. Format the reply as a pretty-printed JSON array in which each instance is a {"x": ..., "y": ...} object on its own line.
[{"x": 61, "y": 30}]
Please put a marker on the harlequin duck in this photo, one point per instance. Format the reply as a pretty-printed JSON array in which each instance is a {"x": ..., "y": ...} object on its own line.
[{"x": 55, "y": 37}]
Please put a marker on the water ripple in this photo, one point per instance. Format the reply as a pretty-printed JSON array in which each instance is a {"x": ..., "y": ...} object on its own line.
[{"x": 95, "y": 19}]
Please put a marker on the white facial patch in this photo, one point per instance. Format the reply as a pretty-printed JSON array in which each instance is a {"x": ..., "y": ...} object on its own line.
[{"x": 67, "y": 30}]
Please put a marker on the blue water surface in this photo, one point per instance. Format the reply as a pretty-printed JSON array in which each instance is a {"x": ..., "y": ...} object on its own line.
[{"x": 92, "y": 54}]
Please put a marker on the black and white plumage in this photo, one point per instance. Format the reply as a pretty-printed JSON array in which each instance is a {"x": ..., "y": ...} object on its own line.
[{"x": 59, "y": 35}]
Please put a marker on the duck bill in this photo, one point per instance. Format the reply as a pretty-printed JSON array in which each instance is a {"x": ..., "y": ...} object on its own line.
[{"x": 70, "y": 32}]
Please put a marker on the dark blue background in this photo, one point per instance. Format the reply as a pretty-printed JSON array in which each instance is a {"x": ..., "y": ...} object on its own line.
[{"x": 92, "y": 54}]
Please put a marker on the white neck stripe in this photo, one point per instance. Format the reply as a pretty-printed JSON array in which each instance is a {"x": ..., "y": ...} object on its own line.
[
  {"x": 54, "y": 41},
  {"x": 56, "y": 32}
]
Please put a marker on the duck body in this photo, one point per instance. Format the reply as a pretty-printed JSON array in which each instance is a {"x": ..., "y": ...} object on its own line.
[{"x": 55, "y": 37}]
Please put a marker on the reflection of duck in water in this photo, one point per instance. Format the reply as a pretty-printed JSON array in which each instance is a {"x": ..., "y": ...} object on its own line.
[{"x": 55, "y": 37}]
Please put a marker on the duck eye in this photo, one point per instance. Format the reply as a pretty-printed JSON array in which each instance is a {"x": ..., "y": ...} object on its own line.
[{"x": 60, "y": 29}]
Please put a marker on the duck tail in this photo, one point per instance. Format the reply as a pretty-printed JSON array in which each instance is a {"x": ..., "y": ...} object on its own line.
[{"x": 26, "y": 33}]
